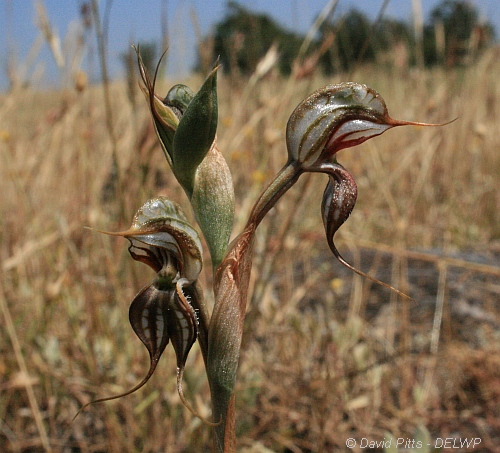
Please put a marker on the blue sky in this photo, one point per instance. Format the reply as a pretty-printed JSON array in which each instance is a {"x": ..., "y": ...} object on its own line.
[{"x": 135, "y": 21}]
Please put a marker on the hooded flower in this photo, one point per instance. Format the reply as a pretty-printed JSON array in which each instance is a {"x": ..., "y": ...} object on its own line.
[
  {"x": 333, "y": 118},
  {"x": 162, "y": 238}
]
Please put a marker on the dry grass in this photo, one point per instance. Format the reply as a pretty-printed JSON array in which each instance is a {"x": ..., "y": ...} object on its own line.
[{"x": 326, "y": 355}]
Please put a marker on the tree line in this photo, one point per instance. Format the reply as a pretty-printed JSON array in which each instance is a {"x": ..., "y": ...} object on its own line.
[{"x": 453, "y": 35}]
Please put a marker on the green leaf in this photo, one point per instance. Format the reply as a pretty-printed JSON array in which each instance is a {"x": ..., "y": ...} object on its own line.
[{"x": 195, "y": 133}]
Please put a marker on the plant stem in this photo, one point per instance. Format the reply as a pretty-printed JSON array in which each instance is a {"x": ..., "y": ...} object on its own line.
[
  {"x": 226, "y": 329},
  {"x": 285, "y": 179}
]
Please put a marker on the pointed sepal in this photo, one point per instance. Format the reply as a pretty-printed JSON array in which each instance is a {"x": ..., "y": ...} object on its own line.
[
  {"x": 165, "y": 118},
  {"x": 148, "y": 317}
]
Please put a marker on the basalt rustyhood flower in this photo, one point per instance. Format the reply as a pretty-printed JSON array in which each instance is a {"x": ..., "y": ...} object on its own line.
[
  {"x": 163, "y": 311},
  {"x": 329, "y": 120}
]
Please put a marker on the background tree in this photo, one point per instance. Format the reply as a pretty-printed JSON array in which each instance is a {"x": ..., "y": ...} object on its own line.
[
  {"x": 243, "y": 38},
  {"x": 453, "y": 35},
  {"x": 391, "y": 32},
  {"x": 352, "y": 33},
  {"x": 357, "y": 39},
  {"x": 464, "y": 35}
]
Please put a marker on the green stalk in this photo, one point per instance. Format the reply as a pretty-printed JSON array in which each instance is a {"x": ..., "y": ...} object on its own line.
[
  {"x": 226, "y": 327},
  {"x": 285, "y": 179}
]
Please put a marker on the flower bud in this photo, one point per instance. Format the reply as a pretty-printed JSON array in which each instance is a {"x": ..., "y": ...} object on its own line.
[
  {"x": 185, "y": 123},
  {"x": 179, "y": 97},
  {"x": 195, "y": 133}
]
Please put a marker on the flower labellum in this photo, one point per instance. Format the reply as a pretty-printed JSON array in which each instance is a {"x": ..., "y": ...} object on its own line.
[{"x": 338, "y": 202}]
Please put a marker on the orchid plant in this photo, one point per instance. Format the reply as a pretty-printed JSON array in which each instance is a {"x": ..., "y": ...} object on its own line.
[{"x": 172, "y": 307}]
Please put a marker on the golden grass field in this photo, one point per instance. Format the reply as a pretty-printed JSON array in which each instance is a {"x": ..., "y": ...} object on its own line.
[{"x": 326, "y": 355}]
